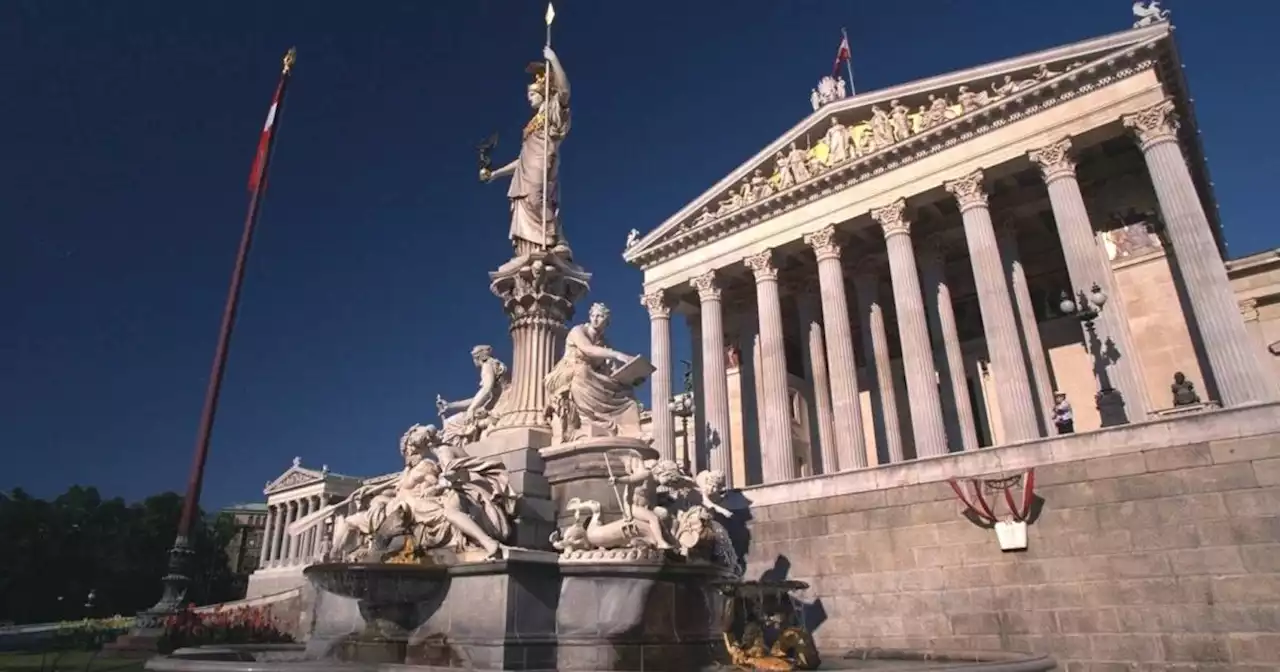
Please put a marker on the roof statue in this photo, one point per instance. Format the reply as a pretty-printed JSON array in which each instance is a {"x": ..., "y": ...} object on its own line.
[
  {"x": 1148, "y": 13},
  {"x": 535, "y": 183},
  {"x": 829, "y": 90}
]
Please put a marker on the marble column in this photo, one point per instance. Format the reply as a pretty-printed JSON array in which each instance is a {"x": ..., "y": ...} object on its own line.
[
  {"x": 875, "y": 341},
  {"x": 268, "y": 534},
  {"x": 1226, "y": 341},
  {"x": 663, "y": 429},
  {"x": 715, "y": 396},
  {"x": 927, "y": 425},
  {"x": 850, "y": 444},
  {"x": 1086, "y": 264},
  {"x": 1035, "y": 355},
  {"x": 946, "y": 338},
  {"x": 300, "y": 540},
  {"x": 1004, "y": 345},
  {"x": 813, "y": 347},
  {"x": 287, "y": 551},
  {"x": 778, "y": 458}
]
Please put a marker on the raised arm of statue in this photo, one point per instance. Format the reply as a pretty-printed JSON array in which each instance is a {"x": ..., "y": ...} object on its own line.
[
  {"x": 487, "y": 175},
  {"x": 561, "y": 82}
]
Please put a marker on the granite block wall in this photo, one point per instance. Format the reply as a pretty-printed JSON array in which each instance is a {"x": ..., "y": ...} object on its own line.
[{"x": 1150, "y": 552}]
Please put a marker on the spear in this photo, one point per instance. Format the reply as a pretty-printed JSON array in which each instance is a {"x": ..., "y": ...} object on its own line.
[{"x": 546, "y": 128}]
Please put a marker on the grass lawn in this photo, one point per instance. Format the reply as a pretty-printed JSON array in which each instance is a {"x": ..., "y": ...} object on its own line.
[{"x": 67, "y": 661}]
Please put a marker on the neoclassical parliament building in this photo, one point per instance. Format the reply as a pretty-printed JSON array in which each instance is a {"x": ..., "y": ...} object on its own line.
[{"x": 1010, "y": 271}]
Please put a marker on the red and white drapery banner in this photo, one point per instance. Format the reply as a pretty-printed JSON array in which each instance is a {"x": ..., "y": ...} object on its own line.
[{"x": 258, "y": 174}]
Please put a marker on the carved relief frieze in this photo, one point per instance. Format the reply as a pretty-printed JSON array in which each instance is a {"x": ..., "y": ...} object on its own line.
[{"x": 884, "y": 138}]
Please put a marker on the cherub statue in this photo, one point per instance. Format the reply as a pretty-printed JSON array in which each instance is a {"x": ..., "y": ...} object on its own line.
[
  {"x": 633, "y": 237},
  {"x": 535, "y": 173},
  {"x": 465, "y": 420}
]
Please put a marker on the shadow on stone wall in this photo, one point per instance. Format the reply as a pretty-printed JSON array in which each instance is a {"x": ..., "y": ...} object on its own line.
[{"x": 810, "y": 614}]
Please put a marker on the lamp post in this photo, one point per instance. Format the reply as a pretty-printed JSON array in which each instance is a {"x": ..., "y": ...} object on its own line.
[
  {"x": 1086, "y": 308},
  {"x": 682, "y": 406}
]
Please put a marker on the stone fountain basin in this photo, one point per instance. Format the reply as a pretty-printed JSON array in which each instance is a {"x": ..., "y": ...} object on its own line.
[{"x": 379, "y": 584}]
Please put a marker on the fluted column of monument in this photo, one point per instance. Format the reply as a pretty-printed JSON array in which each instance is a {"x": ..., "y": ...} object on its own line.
[
  {"x": 663, "y": 429},
  {"x": 850, "y": 444},
  {"x": 1008, "y": 240},
  {"x": 715, "y": 395},
  {"x": 875, "y": 341},
  {"x": 1004, "y": 344},
  {"x": 1087, "y": 264},
  {"x": 946, "y": 338},
  {"x": 1226, "y": 341},
  {"x": 815, "y": 362},
  {"x": 925, "y": 404},
  {"x": 538, "y": 291},
  {"x": 778, "y": 459}
]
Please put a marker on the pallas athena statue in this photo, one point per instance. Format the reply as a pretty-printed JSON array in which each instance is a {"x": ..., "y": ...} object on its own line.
[{"x": 535, "y": 222}]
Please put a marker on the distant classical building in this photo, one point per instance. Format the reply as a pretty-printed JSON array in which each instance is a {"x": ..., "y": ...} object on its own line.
[
  {"x": 296, "y": 493},
  {"x": 244, "y": 549}
]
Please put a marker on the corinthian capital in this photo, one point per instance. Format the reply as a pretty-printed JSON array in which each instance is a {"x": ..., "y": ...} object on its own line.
[
  {"x": 968, "y": 190},
  {"x": 892, "y": 218},
  {"x": 707, "y": 286},
  {"x": 825, "y": 243},
  {"x": 1154, "y": 125},
  {"x": 656, "y": 303},
  {"x": 1054, "y": 159},
  {"x": 762, "y": 266}
]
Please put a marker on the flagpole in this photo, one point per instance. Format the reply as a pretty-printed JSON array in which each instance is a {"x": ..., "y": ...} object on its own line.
[
  {"x": 177, "y": 580},
  {"x": 848, "y": 63},
  {"x": 546, "y": 132}
]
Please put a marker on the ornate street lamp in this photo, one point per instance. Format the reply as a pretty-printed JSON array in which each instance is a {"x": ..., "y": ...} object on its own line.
[
  {"x": 682, "y": 406},
  {"x": 1086, "y": 308}
]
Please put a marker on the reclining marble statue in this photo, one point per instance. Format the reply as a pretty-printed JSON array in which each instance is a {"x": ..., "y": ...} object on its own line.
[
  {"x": 442, "y": 500},
  {"x": 591, "y": 390},
  {"x": 466, "y": 420},
  {"x": 663, "y": 509}
]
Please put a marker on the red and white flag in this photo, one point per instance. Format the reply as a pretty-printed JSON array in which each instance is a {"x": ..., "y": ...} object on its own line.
[
  {"x": 257, "y": 176},
  {"x": 843, "y": 54}
]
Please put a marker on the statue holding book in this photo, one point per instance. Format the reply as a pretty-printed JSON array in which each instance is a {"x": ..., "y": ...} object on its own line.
[{"x": 591, "y": 390}]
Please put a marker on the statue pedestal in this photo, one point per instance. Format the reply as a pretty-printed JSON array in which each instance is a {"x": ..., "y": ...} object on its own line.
[
  {"x": 639, "y": 616},
  {"x": 496, "y": 616},
  {"x": 518, "y": 449},
  {"x": 578, "y": 469}
]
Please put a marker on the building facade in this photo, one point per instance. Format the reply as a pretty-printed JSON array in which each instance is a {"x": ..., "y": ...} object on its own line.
[
  {"x": 914, "y": 282},
  {"x": 244, "y": 549},
  {"x": 889, "y": 317}
]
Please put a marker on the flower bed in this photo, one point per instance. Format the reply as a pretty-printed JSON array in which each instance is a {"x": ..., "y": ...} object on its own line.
[
  {"x": 89, "y": 634},
  {"x": 238, "y": 625}
]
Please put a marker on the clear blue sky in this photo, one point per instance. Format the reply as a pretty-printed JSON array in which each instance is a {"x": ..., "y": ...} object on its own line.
[{"x": 127, "y": 131}]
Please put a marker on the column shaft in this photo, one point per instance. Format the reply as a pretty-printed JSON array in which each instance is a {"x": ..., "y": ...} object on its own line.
[
  {"x": 267, "y": 534},
  {"x": 1004, "y": 345},
  {"x": 696, "y": 441},
  {"x": 925, "y": 404},
  {"x": 876, "y": 344},
  {"x": 1087, "y": 264},
  {"x": 942, "y": 320},
  {"x": 715, "y": 385},
  {"x": 814, "y": 347},
  {"x": 850, "y": 444},
  {"x": 663, "y": 430},
  {"x": 1231, "y": 355},
  {"x": 778, "y": 459},
  {"x": 1035, "y": 355}
]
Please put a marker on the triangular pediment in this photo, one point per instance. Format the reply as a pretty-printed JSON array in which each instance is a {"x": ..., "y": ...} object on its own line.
[
  {"x": 877, "y": 131},
  {"x": 292, "y": 478}
]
